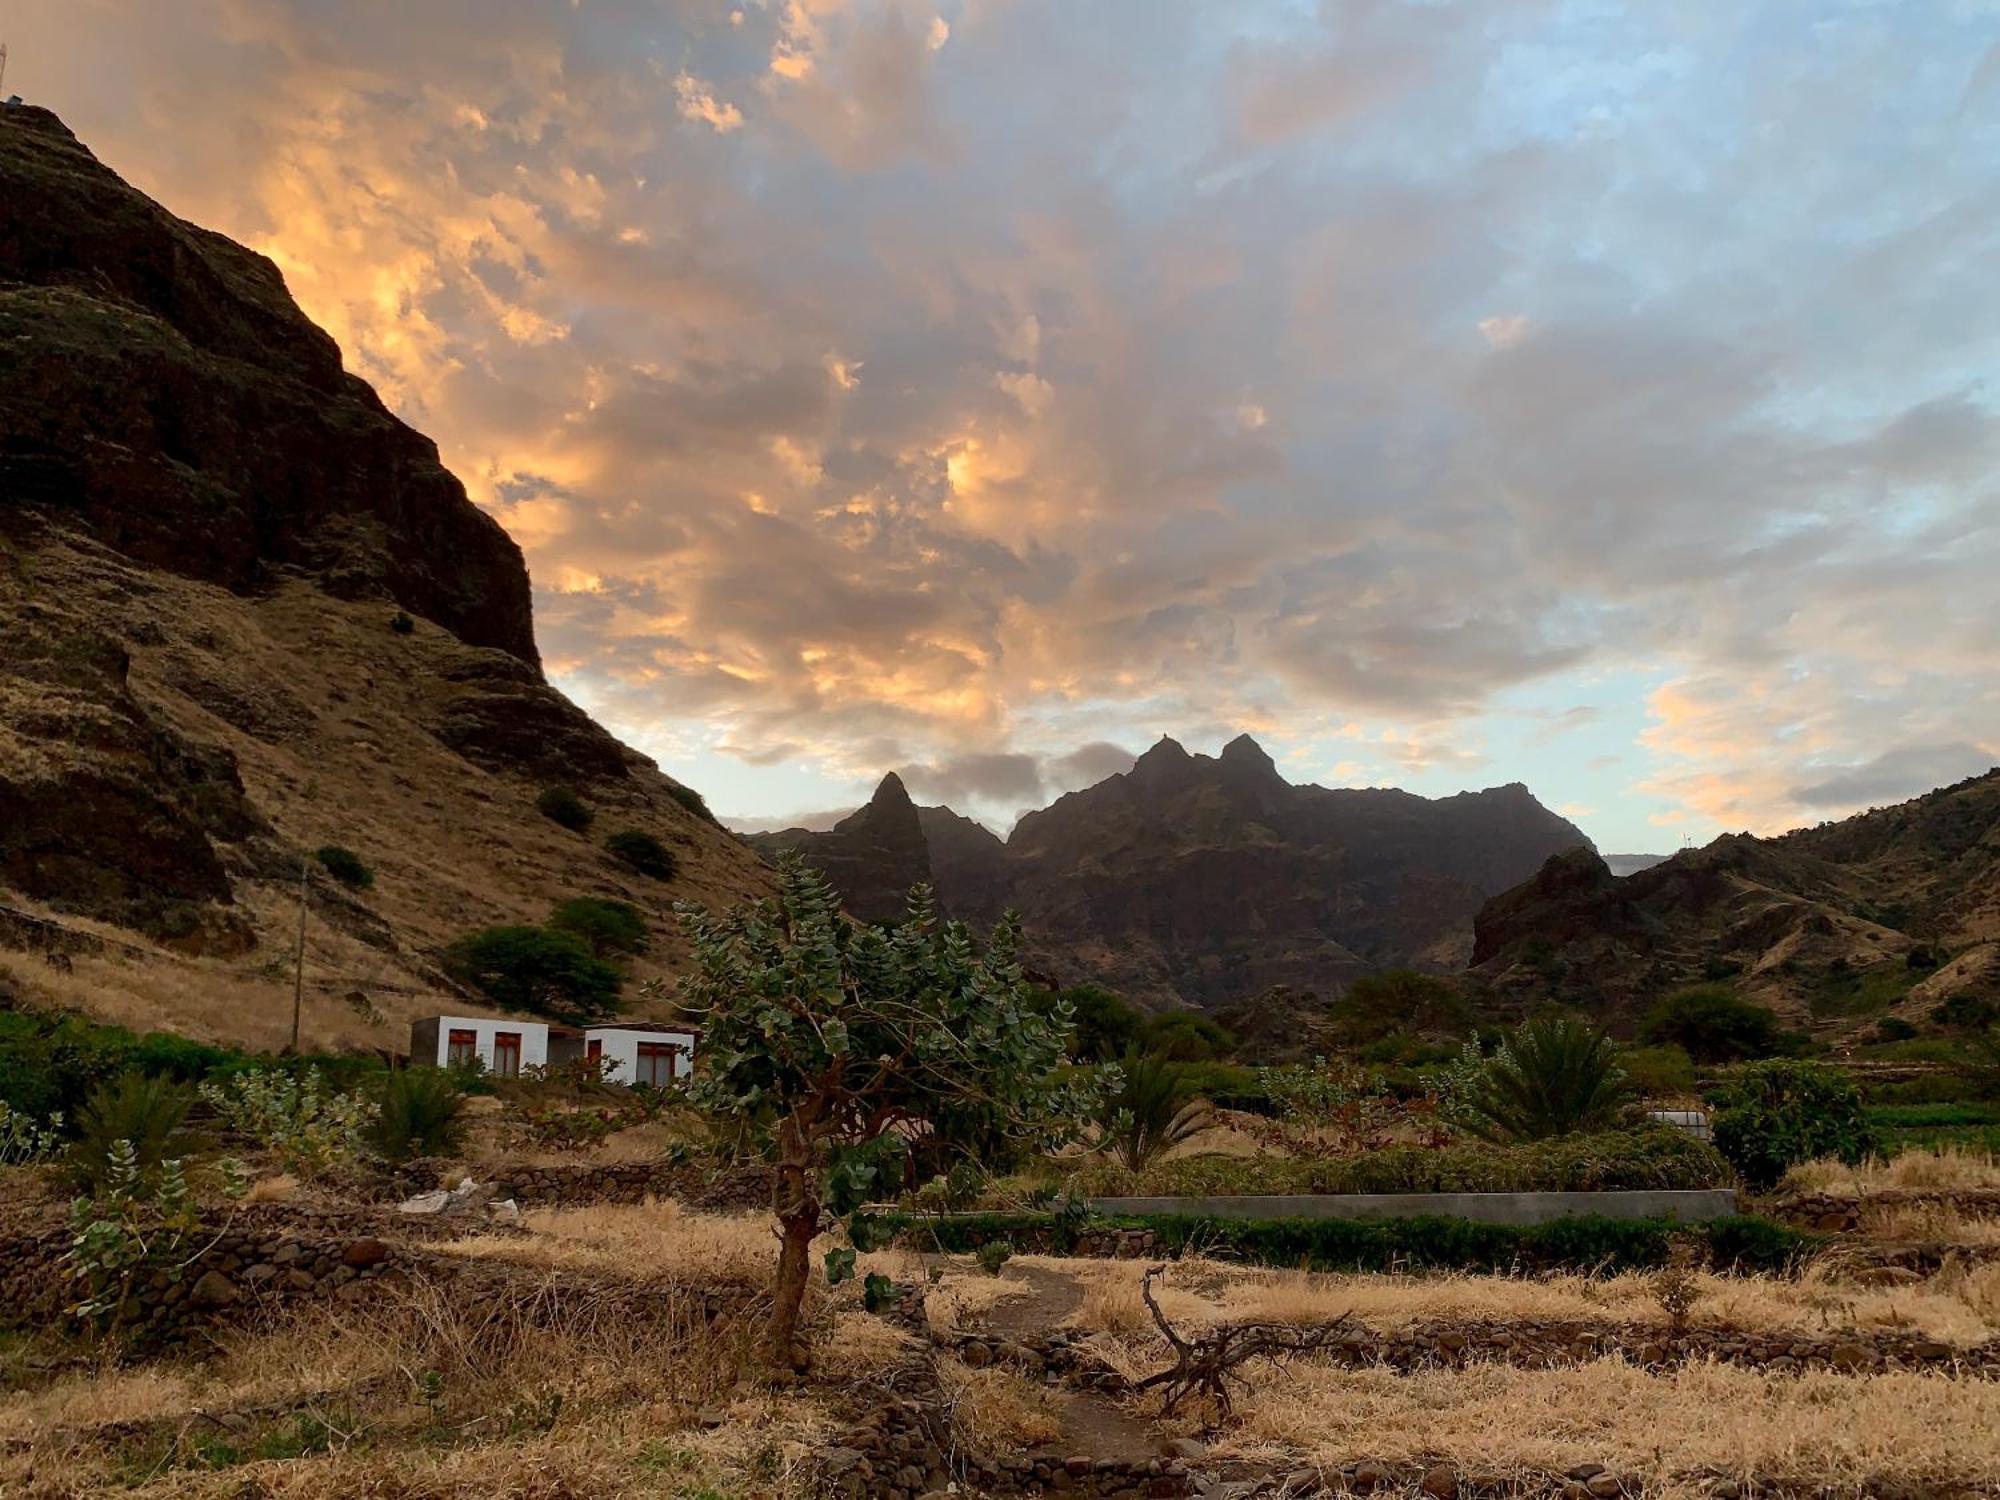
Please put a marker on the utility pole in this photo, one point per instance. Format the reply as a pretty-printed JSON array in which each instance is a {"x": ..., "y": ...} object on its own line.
[
  {"x": 3, "y": 69},
  {"x": 299, "y": 961}
]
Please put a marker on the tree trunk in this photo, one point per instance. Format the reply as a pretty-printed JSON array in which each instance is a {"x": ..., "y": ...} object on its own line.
[{"x": 796, "y": 1204}]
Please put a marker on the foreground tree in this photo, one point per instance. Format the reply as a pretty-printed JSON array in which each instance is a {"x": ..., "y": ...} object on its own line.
[
  {"x": 833, "y": 1043},
  {"x": 1552, "y": 1076}
]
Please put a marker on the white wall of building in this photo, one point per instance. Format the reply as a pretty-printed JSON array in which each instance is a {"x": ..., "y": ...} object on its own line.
[
  {"x": 437, "y": 1050},
  {"x": 621, "y": 1050}
]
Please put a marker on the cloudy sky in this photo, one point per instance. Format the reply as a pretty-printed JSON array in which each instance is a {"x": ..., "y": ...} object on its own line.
[{"x": 1587, "y": 394}]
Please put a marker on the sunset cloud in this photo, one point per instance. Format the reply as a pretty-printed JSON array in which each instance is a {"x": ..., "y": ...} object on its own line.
[{"x": 948, "y": 386}]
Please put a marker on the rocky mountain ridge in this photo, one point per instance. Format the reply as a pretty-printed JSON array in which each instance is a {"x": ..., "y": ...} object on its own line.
[
  {"x": 1207, "y": 881},
  {"x": 1891, "y": 911}
]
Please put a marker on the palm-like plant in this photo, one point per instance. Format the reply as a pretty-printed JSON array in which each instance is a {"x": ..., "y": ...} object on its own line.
[
  {"x": 149, "y": 1114},
  {"x": 420, "y": 1112},
  {"x": 1154, "y": 1109},
  {"x": 1553, "y": 1076}
]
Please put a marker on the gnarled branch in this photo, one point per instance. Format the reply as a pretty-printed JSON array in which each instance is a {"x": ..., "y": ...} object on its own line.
[{"x": 1204, "y": 1365}]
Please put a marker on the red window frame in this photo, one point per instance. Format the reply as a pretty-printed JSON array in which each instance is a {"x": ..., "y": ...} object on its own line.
[
  {"x": 507, "y": 1054},
  {"x": 461, "y": 1046},
  {"x": 656, "y": 1064}
]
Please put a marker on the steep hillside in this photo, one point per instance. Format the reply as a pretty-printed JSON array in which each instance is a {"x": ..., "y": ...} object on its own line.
[
  {"x": 1890, "y": 911},
  {"x": 1209, "y": 881},
  {"x": 208, "y": 533}
]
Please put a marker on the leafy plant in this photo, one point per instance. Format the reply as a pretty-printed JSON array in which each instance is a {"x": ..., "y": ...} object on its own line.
[
  {"x": 133, "y": 1214},
  {"x": 419, "y": 1112},
  {"x": 345, "y": 866},
  {"x": 992, "y": 1255},
  {"x": 1553, "y": 1076},
  {"x": 1184, "y": 1036},
  {"x": 1713, "y": 1024},
  {"x": 692, "y": 800},
  {"x": 609, "y": 927},
  {"x": 24, "y": 1139},
  {"x": 642, "y": 852},
  {"x": 561, "y": 805},
  {"x": 1677, "y": 1284},
  {"x": 1376, "y": 1005},
  {"x": 311, "y": 1127},
  {"x": 401, "y": 623},
  {"x": 1775, "y": 1114},
  {"x": 1658, "y": 1072},
  {"x": 1151, "y": 1109},
  {"x": 826, "y": 1040},
  {"x": 131, "y": 1127},
  {"x": 533, "y": 969}
]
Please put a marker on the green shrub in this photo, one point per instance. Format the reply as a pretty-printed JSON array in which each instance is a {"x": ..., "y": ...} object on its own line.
[
  {"x": 1154, "y": 1109},
  {"x": 1184, "y": 1036},
  {"x": 1651, "y": 1156},
  {"x": 1713, "y": 1024},
  {"x": 418, "y": 1112},
  {"x": 642, "y": 852},
  {"x": 607, "y": 926},
  {"x": 312, "y": 1127},
  {"x": 1894, "y": 1029},
  {"x": 345, "y": 866},
  {"x": 1964, "y": 1012},
  {"x": 1553, "y": 1076},
  {"x": 1105, "y": 1027},
  {"x": 560, "y": 804},
  {"x": 1400, "y": 1000},
  {"x": 401, "y": 623},
  {"x": 148, "y": 1114},
  {"x": 532, "y": 969},
  {"x": 692, "y": 800},
  {"x": 1775, "y": 1114},
  {"x": 1658, "y": 1072},
  {"x": 993, "y": 1255}
]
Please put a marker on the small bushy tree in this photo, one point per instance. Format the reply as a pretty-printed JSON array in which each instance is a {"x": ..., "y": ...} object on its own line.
[
  {"x": 1185, "y": 1036},
  {"x": 1552, "y": 1076},
  {"x": 551, "y": 974},
  {"x": 132, "y": 1125},
  {"x": 609, "y": 927},
  {"x": 561, "y": 805},
  {"x": 828, "y": 1042},
  {"x": 345, "y": 866},
  {"x": 313, "y": 1128},
  {"x": 1401, "y": 1000},
  {"x": 642, "y": 852},
  {"x": 1776, "y": 1114},
  {"x": 1713, "y": 1024},
  {"x": 1104, "y": 1026}
]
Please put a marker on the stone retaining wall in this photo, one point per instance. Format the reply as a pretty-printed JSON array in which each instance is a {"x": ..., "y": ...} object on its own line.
[
  {"x": 1830, "y": 1213},
  {"x": 1533, "y": 1345},
  {"x": 239, "y": 1273},
  {"x": 535, "y": 1185}
]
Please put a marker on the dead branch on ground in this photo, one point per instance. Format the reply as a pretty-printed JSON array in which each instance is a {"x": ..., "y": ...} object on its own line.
[{"x": 1203, "y": 1365}]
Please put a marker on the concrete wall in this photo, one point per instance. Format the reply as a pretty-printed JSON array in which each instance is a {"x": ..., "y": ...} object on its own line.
[
  {"x": 1691, "y": 1205},
  {"x": 430, "y": 1039},
  {"x": 621, "y": 1050}
]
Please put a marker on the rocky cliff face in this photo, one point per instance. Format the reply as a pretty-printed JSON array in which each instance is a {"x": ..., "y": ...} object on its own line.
[
  {"x": 1211, "y": 881},
  {"x": 1888, "y": 912},
  {"x": 207, "y": 532}
]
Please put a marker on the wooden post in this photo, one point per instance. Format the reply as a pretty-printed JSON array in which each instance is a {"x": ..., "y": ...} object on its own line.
[{"x": 299, "y": 961}]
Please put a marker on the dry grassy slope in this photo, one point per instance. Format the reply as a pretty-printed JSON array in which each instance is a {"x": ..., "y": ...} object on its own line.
[{"x": 333, "y": 720}]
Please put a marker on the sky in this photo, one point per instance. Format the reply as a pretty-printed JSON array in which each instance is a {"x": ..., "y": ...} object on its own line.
[{"x": 1598, "y": 396}]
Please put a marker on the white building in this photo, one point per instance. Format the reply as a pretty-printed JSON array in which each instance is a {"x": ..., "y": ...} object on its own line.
[
  {"x": 651, "y": 1055},
  {"x": 636, "y": 1054},
  {"x": 502, "y": 1048}
]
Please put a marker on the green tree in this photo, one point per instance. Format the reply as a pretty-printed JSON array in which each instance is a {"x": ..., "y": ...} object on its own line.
[
  {"x": 1775, "y": 1114},
  {"x": 548, "y": 973},
  {"x": 829, "y": 1041},
  {"x": 609, "y": 927},
  {"x": 1713, "y": 1024},
  {"x": 561, "y": 804},
  {"x": 1104, "y": 1026},
  {"x": 144, "y": 1118},
  {"x": 1185, "y": 1036},
  {"x": 1552, "y": 1076},
  {"x": 1401, "y": 1000},
  {"x": 345, "y": 866},
  {"x": 642, "y": 852},
  {"x": 1153, "y": 1108}
]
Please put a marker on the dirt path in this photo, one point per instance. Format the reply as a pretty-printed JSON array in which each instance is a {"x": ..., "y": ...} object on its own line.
[{"x": 1092, "y": 1425}]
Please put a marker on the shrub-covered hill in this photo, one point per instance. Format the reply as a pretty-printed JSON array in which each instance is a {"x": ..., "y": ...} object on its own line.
[{"x": 246, "y": 615}]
